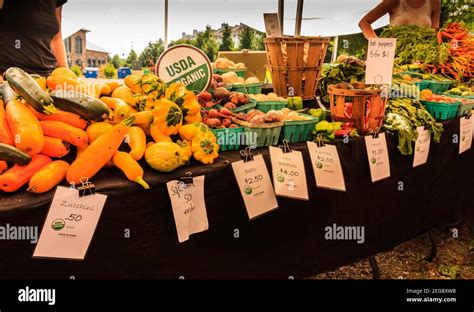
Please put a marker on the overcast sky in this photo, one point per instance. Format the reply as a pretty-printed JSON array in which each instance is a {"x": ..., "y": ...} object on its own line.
[{"x": 115, "y": 24}]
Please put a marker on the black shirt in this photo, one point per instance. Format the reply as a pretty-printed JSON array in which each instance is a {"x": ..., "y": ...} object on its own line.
[{"x": 26, "y": 30}]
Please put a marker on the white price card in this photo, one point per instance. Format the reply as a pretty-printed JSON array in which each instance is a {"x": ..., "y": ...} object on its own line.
[
  {"x": 327, "y": 167},
  {"x": 189, "y": 208},
  {"x": 465, "y": 139},
  {"x": 70, "y": 225},
  {"x": 422, "y": 146},
  {"x": 377, "y": 153},
  {"x": 289, "y": 176},
  {"x": 255, "y": 186},
  {"x": 379, "y": 64},
  {"x": 272, "y": 25}
]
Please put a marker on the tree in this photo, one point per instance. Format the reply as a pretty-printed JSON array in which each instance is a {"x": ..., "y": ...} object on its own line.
[
  {"x": 132, "y": 56},
  {"x": 180, "y": 41},
  {"x": 117, "y": 61},
  {"x": 246, "y": 37},
  {"x": 207, "y": 43},
  {"x": 257, "y": 43},
  {"x": 151, "y": 52},
  {"x": 227, "y": 43},
  {"x": 457, "y": 11}
]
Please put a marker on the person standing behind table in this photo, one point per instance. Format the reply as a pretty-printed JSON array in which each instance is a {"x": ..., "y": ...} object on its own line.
[
  {"x": 423, "y": 13},
  {"x": 30, "y": 36}
]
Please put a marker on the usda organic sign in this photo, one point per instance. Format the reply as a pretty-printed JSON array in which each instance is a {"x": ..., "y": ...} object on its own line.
[{"x": 186, "y": 64}]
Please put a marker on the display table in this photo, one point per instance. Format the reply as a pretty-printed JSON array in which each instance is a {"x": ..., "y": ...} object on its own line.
[{"x": 286, "y": 242}]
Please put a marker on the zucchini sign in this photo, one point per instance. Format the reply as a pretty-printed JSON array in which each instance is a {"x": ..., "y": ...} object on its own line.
[{"x": 186, "y": 64}]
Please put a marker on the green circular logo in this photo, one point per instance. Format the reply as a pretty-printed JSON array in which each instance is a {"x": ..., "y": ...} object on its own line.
[
  {"x": 280, "y": 178},
  {"x": 248, "y": 190},
  {"x": 319, "y": 165},
  {"x": 186, "y": 64},
  {"x": 58, "y": 224},
  {"x": 373, "y": 160}
]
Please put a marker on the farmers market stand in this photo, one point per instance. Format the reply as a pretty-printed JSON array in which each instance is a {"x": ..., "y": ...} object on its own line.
[{"x": 286, "y": 242}]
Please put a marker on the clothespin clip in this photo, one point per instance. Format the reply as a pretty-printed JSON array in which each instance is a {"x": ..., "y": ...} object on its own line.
[
  {"x": 285, "y": 147},
  {"x": 246, "y": 154},
  {"x": 87, "y": 188},
  {"x": 188, "y": 178},
  {"x": 374, "y": 132},
  {"x": 468, "y": 114},
  {"x": 319, "y": 140}
]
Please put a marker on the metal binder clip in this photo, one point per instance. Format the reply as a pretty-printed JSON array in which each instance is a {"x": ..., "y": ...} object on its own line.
[
  {"x": 246, "y": 154},
  {"x": 188, "y": 178},
  {"x": 319, "y": 140},
  {"x": 87, "y": 188},
  {"x": 285, "y": 147},
  {"x": 374, "y": 132}
]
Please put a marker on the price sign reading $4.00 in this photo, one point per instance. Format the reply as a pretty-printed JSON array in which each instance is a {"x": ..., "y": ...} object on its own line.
[
  {"x": 377, "y": 153},
  {"x": 255, "y": 186},
  {"x": 189, "y": 208},
  {"x": 289, "y": 177},
  {"x": 69, "y": 225}
]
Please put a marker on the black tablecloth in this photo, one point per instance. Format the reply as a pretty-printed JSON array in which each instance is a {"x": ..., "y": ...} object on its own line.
[{"x": 286, "y": 242}]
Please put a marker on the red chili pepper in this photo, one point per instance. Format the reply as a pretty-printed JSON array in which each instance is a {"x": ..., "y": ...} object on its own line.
[{"x": 341, "y": 133}]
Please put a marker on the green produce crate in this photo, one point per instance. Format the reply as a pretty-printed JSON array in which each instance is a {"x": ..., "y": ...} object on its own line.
[
  {"x": 228, "y": 138},
  {"x": 422, "y": 85},
  {"x": 266, "y": 106},
  {"x": 266, "y": 134},
  {"x": 240, "y": 72},
  {"x": 298, "y": 130},
  {"x": 411, "y": 74},
  {"x": 245, "y": 108},
  {"x": 465, "y": 109},
  {"x": 439, "y": 87},
  {"x": 442, "y": 111},
  {"x": 252, "y": 88}
]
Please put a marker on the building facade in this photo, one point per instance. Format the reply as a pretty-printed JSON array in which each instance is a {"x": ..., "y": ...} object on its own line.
[{"x": 82, "y": 52}]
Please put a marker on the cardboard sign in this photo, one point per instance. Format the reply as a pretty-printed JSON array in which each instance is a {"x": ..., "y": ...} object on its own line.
[
  {"x": 69, "y": 225},
  {"x": 377, "y": 153},
  {"x": 255, "y": 186},
  {"x": 272, "y": 25},
  {"x": 379, "y": 64},
  {"x": 465, "y": 139},
  {"x": 186, "y": 64},
  {"x": 189, "y": 208},
  {"x": 422, "y": 146},
  {"x": 327, "y": 167},
  {"x": 289, "y": 176}
]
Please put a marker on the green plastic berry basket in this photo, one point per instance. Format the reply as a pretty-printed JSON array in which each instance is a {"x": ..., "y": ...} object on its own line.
[
  {"x": 298, "y": 130},
  {"x": 228, "y": 139},
  {"x": 440, "y": 86},
  {"x": 466, "y": 106},
  {"x": 422, "y": 85},
  {"x": 251, "y": 88},
  {"x": 239, "y": 71},
  {"x": 266, "y": 106},
  {"x": 442, "y": 111},
  {"x": 245, "y": 108},
  {"x": 260, "y": 135}
]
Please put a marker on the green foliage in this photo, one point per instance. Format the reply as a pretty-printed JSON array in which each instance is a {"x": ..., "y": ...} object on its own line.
[
  {"x": 457, "y": 11},
  {"x": 77, "y": 70},
  {"x": 180, "y": 41},
  {"x": 257, "y": 42},
  {"x": 227, "y": 42},
  {"x": 117, "y": 61},
  {"x": 207, "y": 43},
  {"x": 132, "y": 56},
  {"x": 450, "y": 271},
  {"x": 246, "y": 37},
  {"x": 109, "y": 71},
  {"x": 151, "y": 53}
]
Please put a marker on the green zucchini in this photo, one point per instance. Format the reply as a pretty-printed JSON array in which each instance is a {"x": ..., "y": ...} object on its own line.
[
  {"x": 7, "y": 93},
  {"x": 26, "y": 87},
  {"x": 14, "y": 155},
  {"x": 81, "y": 104}
]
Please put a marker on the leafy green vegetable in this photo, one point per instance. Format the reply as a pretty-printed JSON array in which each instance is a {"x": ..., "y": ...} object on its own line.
[{"x": 404, "y": 116}]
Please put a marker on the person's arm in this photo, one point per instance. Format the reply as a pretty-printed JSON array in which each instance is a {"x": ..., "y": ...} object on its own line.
[
  {"x": 57, "y": 44},
  {"x": 435, "y": 14},
  {"x": 380, "y": 10}
]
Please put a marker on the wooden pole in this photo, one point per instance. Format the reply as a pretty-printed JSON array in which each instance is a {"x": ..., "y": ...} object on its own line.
[
  {"x": 166, "y": 24},
  {"x": 299, "y": 17},
  {"x": 281, "y": 14}
]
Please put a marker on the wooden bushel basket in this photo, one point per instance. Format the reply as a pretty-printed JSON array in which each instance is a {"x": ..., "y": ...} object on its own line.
[
  {"x": 296, "y": 63},
  {"x": 368, "y": 105}
]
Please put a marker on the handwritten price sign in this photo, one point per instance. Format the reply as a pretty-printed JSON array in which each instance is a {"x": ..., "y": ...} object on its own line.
[
  {"x": 379, "y": 64},
  {"x": 327, "y": 167},
  {"x": 189, "y": 207}
]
